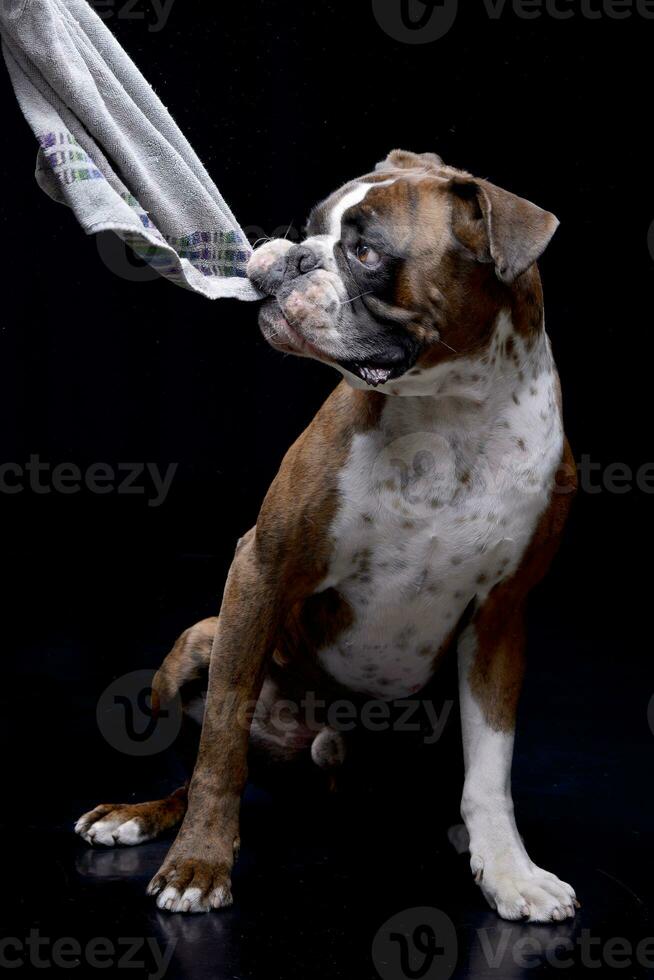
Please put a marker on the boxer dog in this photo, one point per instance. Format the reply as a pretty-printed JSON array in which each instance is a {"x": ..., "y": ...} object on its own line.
[{"x": 414, "y": 515}]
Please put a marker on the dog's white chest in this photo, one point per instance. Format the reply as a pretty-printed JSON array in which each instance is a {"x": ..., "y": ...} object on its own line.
[{"x": 438, "y": 506}]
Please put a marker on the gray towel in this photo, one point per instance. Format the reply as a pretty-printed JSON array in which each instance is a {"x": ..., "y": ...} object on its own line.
[{"x": 112, "y": 152}]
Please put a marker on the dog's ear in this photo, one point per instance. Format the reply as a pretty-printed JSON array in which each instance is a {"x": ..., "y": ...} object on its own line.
[
  {"x": 499, "y": 227},
  {"x": 406, "y": 160}
]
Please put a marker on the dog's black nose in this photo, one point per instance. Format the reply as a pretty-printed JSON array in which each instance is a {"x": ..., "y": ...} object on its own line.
[{"x": 299, "y": 260}]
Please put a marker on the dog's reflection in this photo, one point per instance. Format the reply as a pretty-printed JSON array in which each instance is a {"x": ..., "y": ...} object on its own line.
[
  {"x": 511, "y": 948},
  {"x": 120, "y": 862},
  {"x": 208, "y": 939},
  {"x": 185, "y": 936}
]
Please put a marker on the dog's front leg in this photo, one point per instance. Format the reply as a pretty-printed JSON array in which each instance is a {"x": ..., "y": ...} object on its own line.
[
  {"x": 491, "y": 653},
  {"x": 196, "y": 875}
]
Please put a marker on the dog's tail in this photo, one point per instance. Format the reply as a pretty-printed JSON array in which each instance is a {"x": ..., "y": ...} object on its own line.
[{"x": 187, "y": 663}]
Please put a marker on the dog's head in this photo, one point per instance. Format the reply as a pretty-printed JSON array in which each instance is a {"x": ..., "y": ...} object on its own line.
[{"x": 402, "y": 269}]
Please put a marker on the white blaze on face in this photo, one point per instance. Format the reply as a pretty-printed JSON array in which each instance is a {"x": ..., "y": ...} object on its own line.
[
  {"x": 355, "y": 196},
  {"x": 311, "y": 302}
]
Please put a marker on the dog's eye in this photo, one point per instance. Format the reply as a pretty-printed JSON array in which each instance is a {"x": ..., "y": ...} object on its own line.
[{"x": 367, "y": 255}]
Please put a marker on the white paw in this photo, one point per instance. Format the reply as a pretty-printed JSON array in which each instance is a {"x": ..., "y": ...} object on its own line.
[
  {"x": 191, "y": 885},
  {"x": 520, "y": 891},
  {"x": 111, "y": 827},
  {"x": 193, "y": 899}
]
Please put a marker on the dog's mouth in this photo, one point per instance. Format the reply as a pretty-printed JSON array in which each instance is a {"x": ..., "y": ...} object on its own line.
[
  {"x": 373, "y": 373},
  {"x": 280, "y": 334}
]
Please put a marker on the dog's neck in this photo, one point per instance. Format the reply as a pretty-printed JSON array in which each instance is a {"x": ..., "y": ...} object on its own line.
[
  {"x": 497, "y": 412},
  {"x": 482, "y": 386}
]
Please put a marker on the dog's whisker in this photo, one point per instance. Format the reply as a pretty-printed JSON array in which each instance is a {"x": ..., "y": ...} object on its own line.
[{"x": 353, "y": 299}]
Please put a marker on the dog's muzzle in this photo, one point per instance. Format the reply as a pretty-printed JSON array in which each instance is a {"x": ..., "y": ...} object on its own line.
[
  {"x": 306, "y": 294},
  {"x": 311, "y": 313}
]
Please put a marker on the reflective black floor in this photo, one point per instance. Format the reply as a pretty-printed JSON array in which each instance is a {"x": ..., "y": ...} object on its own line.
[{"x": 322, "y": 878}]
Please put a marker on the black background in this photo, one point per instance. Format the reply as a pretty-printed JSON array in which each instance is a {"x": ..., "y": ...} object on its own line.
[{"x": 283, "y": 102}]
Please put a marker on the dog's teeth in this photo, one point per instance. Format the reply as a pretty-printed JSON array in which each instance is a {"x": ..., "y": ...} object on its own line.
[{"x": 374, "y": 376}]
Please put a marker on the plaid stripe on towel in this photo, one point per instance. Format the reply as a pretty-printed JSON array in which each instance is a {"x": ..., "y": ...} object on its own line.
[{"x": 95, "y": 117}]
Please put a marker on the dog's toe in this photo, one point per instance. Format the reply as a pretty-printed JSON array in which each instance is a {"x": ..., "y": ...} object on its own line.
[
  {"x": 112, "y": 826},
  {"x": 529, "y": 894},
  {"x": 191, "y": 887}
]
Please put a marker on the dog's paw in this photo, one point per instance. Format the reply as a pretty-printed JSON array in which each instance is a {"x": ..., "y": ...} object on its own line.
[
  {"x": 113, "y": 824},
  {"x": 267, "y": 265},
  {"x": 525, "y": 893},
  {"x": 191, "y": 885}
]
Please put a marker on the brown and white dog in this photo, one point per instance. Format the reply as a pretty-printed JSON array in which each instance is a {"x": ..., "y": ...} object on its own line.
[{"x": 415, "y": 513}]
